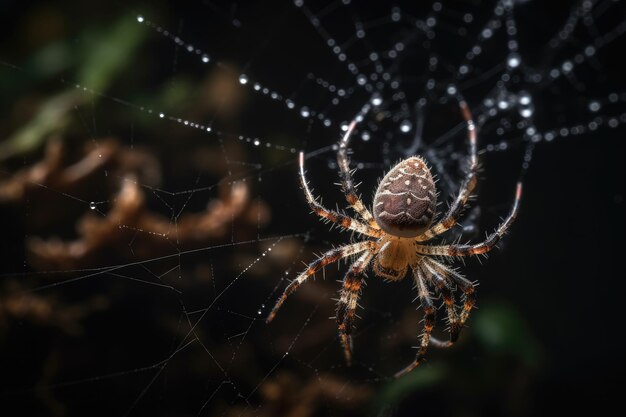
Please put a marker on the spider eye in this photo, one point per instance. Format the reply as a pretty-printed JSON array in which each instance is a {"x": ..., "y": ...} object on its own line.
[{"x": 405, "y": 201}]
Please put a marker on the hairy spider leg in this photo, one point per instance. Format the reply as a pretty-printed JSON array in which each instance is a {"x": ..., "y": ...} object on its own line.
[
  {"x": 348, "y": 301},
  {"x": 349, "y": 188},
  {"x": 429, "y": 320},
  {"x": 469, "y": 291},
  {"x": 450, "y": 218},
  {"x": 445, "y": 287},
  {"x": 478, "y": 248},
  {"x": 329, "y": 257},
  {"x": 335, "y": 217}
]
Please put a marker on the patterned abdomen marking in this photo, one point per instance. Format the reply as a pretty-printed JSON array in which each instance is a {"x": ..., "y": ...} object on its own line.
[{"x": 405, "y": 201}]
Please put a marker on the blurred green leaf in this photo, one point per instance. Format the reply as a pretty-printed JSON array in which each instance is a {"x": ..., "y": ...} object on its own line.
[
  {"x": 501, "y": 329},
  {"x": 52, "y": 116},
  {"x": 51, "y": 60},
  {"x": 421, "y": 378},
  {"x": 105, "y": 56},
  {"x": 109, "y": 52}
]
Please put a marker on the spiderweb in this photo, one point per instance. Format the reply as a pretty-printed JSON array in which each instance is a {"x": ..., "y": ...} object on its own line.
[{"x": 161, "y": 217}]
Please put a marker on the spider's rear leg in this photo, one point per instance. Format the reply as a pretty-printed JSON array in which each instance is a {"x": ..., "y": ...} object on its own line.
[
  {"x": 429, "y": 321},
  {"x": 445, "y": 278},
  {"x": 469, "y": 292},
  {"x": 445, "y": 287},
  {"x": 348, "y": 302},
  {"x": 329, "y": 257}
]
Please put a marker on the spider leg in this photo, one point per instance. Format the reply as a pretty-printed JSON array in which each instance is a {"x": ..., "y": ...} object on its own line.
[
  {"x": 450, "y": 218},
  {"x": 335, "y": 217},
  {"x": 429, "y": 321},
  {"x": 444, "y": 285},
  {"x": 478, "y": 248},
  {"x": 469, "y": 296},
  {"x": 329, "y": 257},
  {"x": 348, "y": 301},
  {"x": 469, "y": 292},
  {"x": 346, "y": 179}
]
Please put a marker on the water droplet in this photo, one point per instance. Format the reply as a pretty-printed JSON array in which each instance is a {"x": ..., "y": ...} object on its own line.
[
  {"x": 243, "y": 79},
  {"x": 567, "y": 66},
  {"x": 256, "y": 142},
  {"x": 304, "y": 112},
  {"x": 377, "y": 100},
  {"x": 92, "y": 205},
  {"x": 365, "y": 136},
  {"x": 140, "y": 19},
  {"x": 526, "y": 112},
  {"x": 205, "y": 58},
  {"x": 524, "y": 98},
  {"x": 594, "y": 106},
  {"x": 405, "y": 126},
  {"x": 161, "y": 115},
  {"x": 514, "y": 60}
]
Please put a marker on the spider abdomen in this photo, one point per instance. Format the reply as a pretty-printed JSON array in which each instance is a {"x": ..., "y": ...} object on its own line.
[{"x": 405, "y": 201}]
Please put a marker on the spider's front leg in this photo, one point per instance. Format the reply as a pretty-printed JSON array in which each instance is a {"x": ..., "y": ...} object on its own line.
[
  {"x": 429, "y": 320},
  {"x": 468, "y": 185},
  {"x": 329, "y": 257},
  {"x": 479, "y": 248},
  {"x": 335, "y": 217},
  {"x": 346, "y": 179},
  {"x": 348, "y": 301}
]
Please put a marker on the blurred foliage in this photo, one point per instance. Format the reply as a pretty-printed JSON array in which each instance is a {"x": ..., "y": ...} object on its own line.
[
  {"x": 397, "y": 390},
  {"x": 501, "y": 330},
  {"x": 498, "y": 331},
  {"x": 103, "y": 56}
]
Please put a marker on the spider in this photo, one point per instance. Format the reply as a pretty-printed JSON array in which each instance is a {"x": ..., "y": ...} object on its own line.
[{"x": 403, "y": 212}]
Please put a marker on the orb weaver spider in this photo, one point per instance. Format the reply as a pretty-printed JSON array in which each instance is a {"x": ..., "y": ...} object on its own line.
[{"x": 404, "y": 208}]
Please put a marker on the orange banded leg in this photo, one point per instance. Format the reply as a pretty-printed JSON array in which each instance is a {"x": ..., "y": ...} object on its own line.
[
  {"x": 444, "y": 285},
  {"x": 429, "y": 321},
  {"x": 479, "y": 248},
  {"x": 469, "y": 291},
  {"x": 450, "y": 219},
  {"x": 335, "y": 217},
  {"x": 346, "y": 179},
  {"x": 348, "y": 302},
  {"x": 329, "y": 257}
]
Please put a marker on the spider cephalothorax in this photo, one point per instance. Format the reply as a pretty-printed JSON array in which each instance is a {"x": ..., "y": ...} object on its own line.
[{"x": 404, "y": 209}]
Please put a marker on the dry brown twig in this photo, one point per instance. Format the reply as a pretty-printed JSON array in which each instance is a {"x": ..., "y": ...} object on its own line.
[
  {"x": 286, "y": 395},
  {"x": 151, "y": 234}
]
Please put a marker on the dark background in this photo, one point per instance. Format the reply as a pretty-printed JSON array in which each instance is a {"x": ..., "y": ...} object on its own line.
[{"x": 547, "y": 334}]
